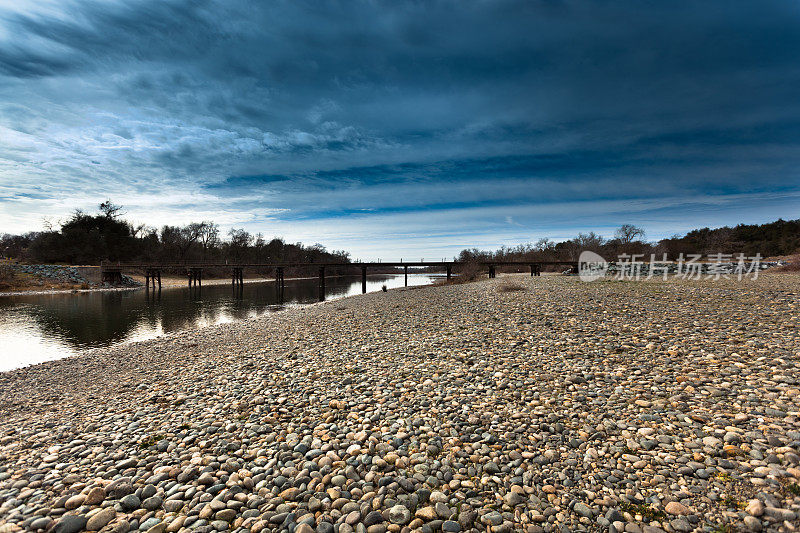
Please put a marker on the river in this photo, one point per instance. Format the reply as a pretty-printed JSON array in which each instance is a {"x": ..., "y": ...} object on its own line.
[{"x": 42, "y": 327}]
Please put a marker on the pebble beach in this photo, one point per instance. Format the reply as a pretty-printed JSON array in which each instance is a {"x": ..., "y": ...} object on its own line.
[{"x": 512, "y": 404}]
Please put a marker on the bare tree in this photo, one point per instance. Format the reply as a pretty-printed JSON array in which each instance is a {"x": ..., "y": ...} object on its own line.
[
  {"x": 240, "y": 237},
  {"x": 110, "y": 209},
  {"x": 208, "y": 234},
  {"x": 180, "y": 239},
  {"x": 240, "y": 241},
  {"x": 627, "y": 233},
  {"x": 140, "y": 230},
  {"x": 589, "y": 241}
]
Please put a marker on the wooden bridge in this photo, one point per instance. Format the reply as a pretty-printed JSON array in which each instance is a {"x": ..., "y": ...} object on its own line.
[{"x": 112, "y": 272}]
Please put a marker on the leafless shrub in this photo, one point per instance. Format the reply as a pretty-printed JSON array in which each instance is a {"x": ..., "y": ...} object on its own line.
[
  {"x": 792, "y": 266},
  {"x": 465, "y": 273},
  {"x": 8, "y": 276},
  {"x": 510, "y": 286}
]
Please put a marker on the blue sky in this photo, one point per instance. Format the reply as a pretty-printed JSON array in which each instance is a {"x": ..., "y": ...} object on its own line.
[{"x": 402, "y": 129}]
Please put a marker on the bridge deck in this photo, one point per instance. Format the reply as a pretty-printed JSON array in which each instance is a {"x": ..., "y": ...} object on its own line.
[
  {"x": 295, "y": 264},
  {"x": 112, "y": 272}
]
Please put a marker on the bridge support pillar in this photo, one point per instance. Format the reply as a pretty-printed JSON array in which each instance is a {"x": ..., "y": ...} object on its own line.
[
  {"x": 279, "y": 283},
  {"x": 237, "y": 276},
  {"x": 322, "y": 284},
  {"x": 113, "y": 277},
  {"x": 449, "y": 271},
  {"x": 151, "y": 276},
  {"x": 406, "y": 272},
  {"x": 195, "y": 277},
  {"x": 363, "y": 280}
]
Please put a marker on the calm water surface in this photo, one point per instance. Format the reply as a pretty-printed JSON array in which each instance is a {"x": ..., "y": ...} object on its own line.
[{"x": 36, "y": 328}]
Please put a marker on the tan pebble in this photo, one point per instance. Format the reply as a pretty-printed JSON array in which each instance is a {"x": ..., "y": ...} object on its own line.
[
  {"x": 426, "y": 513},
  {"x": 176, "y": 524},
  {"x": 290, "y": 493},
  {"x": 755, "y": 507},
  {"x": 206, "y": 512},
  {"x": 75, "y": 502},
  {"x": 729, "y": 450},
  {"x": 99, "y": 520},
  {"x": 95, "y": 496},
  {"x": 676, "y": 508},
  {"x": 259, "y": 526}
]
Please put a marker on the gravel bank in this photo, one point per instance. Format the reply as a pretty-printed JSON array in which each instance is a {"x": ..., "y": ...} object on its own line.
[
  {"x": 40, "y": 279},
  {"x": 611, "y": 406}
]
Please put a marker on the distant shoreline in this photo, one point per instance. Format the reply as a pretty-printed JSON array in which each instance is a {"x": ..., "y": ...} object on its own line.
[{"x": 173, "y": 282}]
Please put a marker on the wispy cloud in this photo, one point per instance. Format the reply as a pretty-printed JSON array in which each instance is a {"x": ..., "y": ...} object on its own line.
[{"x": 325, "y": 121}]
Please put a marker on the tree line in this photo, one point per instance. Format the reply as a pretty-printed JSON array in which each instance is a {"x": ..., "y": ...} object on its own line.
[
  {"x": 92, "y": 238},
  {"x": 88, "y": 239},
  {"x": 781, "y": 237}
]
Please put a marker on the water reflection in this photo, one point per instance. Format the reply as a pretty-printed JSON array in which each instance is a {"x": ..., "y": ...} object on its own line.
[{"x": 36, "y": 328}]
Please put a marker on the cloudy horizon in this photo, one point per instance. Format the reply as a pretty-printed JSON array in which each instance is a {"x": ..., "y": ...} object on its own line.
[{"x": 395, "y": 129}]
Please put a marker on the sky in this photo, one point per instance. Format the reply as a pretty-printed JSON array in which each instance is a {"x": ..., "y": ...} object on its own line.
[{"x": 397, "y": 129}]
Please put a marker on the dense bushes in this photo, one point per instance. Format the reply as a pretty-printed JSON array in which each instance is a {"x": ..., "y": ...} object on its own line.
[
  {"x": 775, "y": 238},
  {"x": 781, "y": 237}
]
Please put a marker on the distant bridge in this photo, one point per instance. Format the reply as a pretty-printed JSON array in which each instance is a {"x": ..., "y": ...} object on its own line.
[{"x": 112, "y": 272}]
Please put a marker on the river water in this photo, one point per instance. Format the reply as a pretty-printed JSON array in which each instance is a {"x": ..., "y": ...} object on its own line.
[{"x": 37, "y": 328}]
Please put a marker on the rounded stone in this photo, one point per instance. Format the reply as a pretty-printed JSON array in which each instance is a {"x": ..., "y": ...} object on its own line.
[
  {"x": 399, "y": 514},
  {"x": 451, "y": 526},
  {"x": 99, "y": 520},
  {"x": 676, "y": 508}
]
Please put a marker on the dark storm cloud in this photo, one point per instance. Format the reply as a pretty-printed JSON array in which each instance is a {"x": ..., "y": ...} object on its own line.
[{"x": 305, "y": 106}]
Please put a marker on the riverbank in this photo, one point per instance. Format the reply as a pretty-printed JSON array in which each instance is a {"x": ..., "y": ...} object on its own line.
[
  {"x": 527, "y": 404},
  {"x": 21, "y": 279},
  {"x": 167, "y": 282},
  {"x": 16, "y": 279},
  {"x": 170, "y": 282}
]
